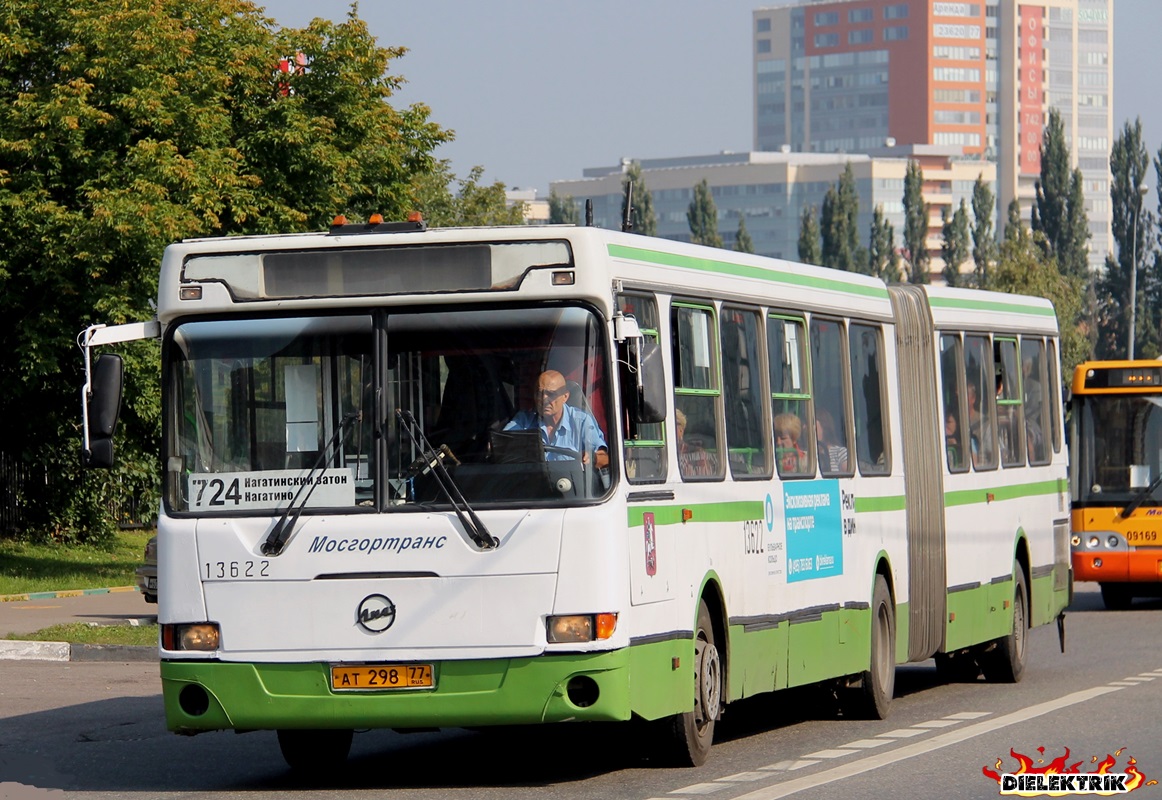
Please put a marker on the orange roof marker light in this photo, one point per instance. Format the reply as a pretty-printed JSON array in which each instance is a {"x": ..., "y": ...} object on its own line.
[{"x": 375, "y": 224}]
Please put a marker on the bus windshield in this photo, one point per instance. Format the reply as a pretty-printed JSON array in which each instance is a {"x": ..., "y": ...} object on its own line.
[
  {"x": 360, "y": 411},
  {"x": 1120, "y": 448}
]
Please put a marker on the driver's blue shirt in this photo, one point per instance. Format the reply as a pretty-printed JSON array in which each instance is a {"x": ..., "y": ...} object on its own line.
[{"x": 577, "y": 431}]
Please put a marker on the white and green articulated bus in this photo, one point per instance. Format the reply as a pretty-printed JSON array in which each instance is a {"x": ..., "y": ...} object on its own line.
[{"x": 439, "y": 478}]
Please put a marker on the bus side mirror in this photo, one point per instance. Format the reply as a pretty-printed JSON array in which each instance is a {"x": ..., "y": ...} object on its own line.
[
  {"x": 104, "y": 406},
  {"x": 651, "y": 386}
]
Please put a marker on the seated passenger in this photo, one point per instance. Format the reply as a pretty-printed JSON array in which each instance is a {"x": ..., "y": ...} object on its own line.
[
  {"x": 832, "y": 457},
  {"x": 693, "y": 460},
  {"x": 560, "y": 424},
  {"x": 791, "y": 458}
]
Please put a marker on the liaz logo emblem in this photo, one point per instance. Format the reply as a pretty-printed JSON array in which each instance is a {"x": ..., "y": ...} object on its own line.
[{"x": 376, "y": 613}]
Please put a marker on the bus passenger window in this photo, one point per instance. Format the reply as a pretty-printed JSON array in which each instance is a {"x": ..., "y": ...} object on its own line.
[
  {"x": 748, "y": 447},
  {"x": 696, "y": 391},
  {"x": 1010, "y": 420},
  {"x": 980, "y": 390},
  {"x": 645, "y": 443},
  {"x": 956, "y": 436},
  {"x": 790, "y": 397},
  {"x": 1033, "y": 381},
  {"x": 871, "y": 423},
  {"x": 829, "y": 388}
]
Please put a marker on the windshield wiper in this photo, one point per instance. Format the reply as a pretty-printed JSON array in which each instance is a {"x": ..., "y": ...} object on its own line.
[
  {"x": 432, "y": 460},
  {"x": 1141, "y": 497},
  {"x": 282, "y": 530}
]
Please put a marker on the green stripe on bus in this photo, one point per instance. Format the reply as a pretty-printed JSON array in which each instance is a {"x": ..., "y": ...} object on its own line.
[
  {"x": 742, "y": 270},
  {"x": 702, "y": 512},
  {"x": 864, "y": 505},
  {"x": 966, "y": 497},
  {"x": 990, "y": 305}
]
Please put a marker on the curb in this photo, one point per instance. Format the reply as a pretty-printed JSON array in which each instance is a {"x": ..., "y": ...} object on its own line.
[
  {"x": 19, "y": 598},
  {"x": 14, "y": 650}
]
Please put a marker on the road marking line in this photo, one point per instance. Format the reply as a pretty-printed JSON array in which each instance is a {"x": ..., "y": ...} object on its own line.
[
  {"x": 937, "y": 742},
  {"x": 902, "y": 733},
  {"x": 1123, "y": 683},
  {"x": 701, "y": 788},
  {"x": 969, "y": 715},
  {"x": 1139, "y": 678},
  {"x": 790, "y": 766},
  {"x": 744, "y": 776},
  {"x": 830, "y": 754},
  {"x": 936, "y": 723},
  {"x": 866, "y": 744}
]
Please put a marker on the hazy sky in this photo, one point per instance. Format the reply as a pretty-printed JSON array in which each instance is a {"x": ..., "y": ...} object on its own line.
[{"x": 537, "y": 90}]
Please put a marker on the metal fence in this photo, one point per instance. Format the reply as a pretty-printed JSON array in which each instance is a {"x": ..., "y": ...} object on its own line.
[{"x": 19, "y": 479}]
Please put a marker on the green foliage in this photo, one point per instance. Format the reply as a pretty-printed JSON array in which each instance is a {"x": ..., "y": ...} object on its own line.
[
  {"x": 563, "y": 210},
  {"x": 83, "y": 633},
  {"x": 1023, "y": 268},
  {"x": 742, "y": 240},
  {"x": 809, "y": 249},
  {"x": 839, "y": 224},
  {"x": 915, "y": 224},
  {"x": 128, "y": 124},
  {"x": 984, "y": 243},
  {"x": 955, "y": 248},
  {"x": 1060, "y": 210},
  {"x": 645, "y": 221},
  {"x": 703, "y": 217},
  {"x": 1133, "y": 226},
  {"x": 882, "y": 259},
  {"x": 473, "y": 204}
]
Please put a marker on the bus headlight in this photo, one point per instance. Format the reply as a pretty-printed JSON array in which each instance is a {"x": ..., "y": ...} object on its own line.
[
  {"x": 202, "y": 636},
  {"x": 580, "y": 627}
]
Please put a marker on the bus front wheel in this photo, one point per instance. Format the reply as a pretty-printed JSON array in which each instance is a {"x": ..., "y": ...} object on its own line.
[
  {"x": 693, "y": 732},
  {"x": 314, "y": 752},
  {"x": 1116, "y": 596}
]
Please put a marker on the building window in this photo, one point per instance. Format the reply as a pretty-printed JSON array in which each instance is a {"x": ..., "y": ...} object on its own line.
[
  {"x": 763, "y": 46},
  {"x": 897, "y": 33},
  {"x": 863, "y": 36},
  {"x": 762, "y": 24},
  {"x": 827, "y": 40},
  {"x": 898, "y": 11},
  {"x": 858, "y": 15},
  {"x": 958, "y": 74},
  {"x": 823, "y": 19}
]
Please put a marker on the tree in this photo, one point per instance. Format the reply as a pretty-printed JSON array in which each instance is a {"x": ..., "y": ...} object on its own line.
[
  {"x": 1132, "y": 226},
  {"x": 915, "y": 224},
  {"x": 883, "y": 261},
  {"x": 839, "y": 224},
  {"x": 1014, "y": 226},
  {"x": 742, "y": 241},
  {"x": 563, "y": 210},
  {"x": 126, "y": 125},
  {"x": 1024, "y": 268},
  {"x": 809, "y": 250},
  {"x": 984, "y": 244},
  {"x": 954, "y": 248},
  {"x": 472, "y": 204},
  {"x": 645, "y": 221},
  {"x": 703, "y": 217},
  {"x": 1060, "y": 209}
]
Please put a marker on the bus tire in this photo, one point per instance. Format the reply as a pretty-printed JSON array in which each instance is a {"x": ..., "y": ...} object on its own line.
[
  {"x": 692, "y": 733},
  {"x": 315, "y": 753},
  {"x": 1006, "y": 662},
  {"x": 1117, "y": 596},
  {"x": 873, "y": 698}
]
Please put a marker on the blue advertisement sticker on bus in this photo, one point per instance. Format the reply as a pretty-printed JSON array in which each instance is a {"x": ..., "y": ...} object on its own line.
[{"x": 814, "y": 529}]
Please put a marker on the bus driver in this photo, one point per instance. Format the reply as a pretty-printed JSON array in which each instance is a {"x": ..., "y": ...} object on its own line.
[{"x": 560, "y": 424}]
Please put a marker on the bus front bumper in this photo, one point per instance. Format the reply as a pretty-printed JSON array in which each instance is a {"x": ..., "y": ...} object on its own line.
[{"x": 216, "y": 695}]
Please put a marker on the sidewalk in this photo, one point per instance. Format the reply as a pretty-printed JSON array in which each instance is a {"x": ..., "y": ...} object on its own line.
[{"x": 121, "y": 605}]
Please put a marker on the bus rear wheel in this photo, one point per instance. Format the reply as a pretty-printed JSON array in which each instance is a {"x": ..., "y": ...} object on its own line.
[
  {"x": 1006, "y": 662},
  {"x": 1116, "y": 596},
  {"x": 692, "y": 733},
  {"x": 873, "y": 698},
  {"x": 315, "y": 753}
]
